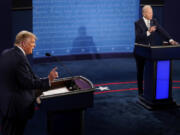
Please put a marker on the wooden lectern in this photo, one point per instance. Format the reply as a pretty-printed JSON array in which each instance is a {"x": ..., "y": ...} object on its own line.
[
  {"x": 64, "y": 111},
  {"x": 157, "y": 75}
]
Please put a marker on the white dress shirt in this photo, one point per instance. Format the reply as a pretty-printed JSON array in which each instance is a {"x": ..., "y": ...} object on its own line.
[{"x": 147, "y": 22}]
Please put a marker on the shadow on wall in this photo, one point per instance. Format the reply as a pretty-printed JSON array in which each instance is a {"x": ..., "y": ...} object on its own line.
[{"x": 84, "y": 44}]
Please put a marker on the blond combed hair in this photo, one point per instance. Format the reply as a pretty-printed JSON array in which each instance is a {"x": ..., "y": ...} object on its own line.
[{"x": 23, "y": 35}]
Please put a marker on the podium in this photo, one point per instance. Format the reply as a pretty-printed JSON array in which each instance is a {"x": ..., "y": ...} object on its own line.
[
  {"x": 157, "y": 75},
  {"x": 64, "y": 112}
]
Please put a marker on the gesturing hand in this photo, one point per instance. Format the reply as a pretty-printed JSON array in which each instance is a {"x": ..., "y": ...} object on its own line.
[
  {"x": 152, "y": 29},
  {"x": 173, "y": 42},
  {"x": 53, "y": 74}
]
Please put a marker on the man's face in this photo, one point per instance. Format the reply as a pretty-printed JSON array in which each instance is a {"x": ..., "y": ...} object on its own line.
[
  {"x": 29, "y": 44},
  {"x": 148, "y": 13}
]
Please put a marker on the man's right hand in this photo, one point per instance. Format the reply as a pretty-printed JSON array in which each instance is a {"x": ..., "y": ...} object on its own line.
[
  {"x": 152, "y": 29},
  {"x": 53, "y": 74}
]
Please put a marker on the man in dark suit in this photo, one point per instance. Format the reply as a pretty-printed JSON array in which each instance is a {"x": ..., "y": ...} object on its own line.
[
  {"x": 146, "y": 30},
  {"x": 18, "y": 84}
]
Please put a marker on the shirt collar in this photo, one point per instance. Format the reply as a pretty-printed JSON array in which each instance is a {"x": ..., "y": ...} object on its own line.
[
  {"x": 146, "y": 20},
  {"x": 21, "y": 50}
]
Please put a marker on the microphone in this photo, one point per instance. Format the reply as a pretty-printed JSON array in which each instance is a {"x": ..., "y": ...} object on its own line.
[
  {"x": 48, "y": 54},
  {"x": 58, "y": 60},
  {"x": 70, "y": 84}
]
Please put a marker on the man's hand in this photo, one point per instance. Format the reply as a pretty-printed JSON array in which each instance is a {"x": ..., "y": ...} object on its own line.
[
  {"x": 173, "y": 42},
  {"x": 152, "y": 29},
  {"x": 38, "y": 100},
  {"x": 53, "y": 74}
]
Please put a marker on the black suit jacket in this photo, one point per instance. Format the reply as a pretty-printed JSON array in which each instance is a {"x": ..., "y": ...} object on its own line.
[
  {"x": 141, "y": 29},
  {"x": 18, "y": 84}
]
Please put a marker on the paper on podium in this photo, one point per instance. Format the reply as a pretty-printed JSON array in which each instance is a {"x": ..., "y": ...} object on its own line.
[{"x": 55, "y": 91}]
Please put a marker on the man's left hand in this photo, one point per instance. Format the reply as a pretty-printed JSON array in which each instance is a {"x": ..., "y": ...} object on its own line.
[{"x": 173, "y": 42}]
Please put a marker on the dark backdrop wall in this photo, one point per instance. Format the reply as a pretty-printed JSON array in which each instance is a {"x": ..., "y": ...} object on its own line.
[
  {"x": 172, "y": 18},
  {"x": 5, "y": 24},
  {"x": 21, "y": 20},
  {"x": 154, "y": 2}
]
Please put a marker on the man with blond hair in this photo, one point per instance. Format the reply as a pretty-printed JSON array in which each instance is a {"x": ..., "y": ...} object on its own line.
[
  {"x": 146, "y": 30},
  {"x": 18, "y": 84}
]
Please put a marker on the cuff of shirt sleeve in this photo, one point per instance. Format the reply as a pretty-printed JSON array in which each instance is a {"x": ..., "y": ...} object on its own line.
[
  {"x": 170, "y": 40},
  {"x": 148, "y": 33}
]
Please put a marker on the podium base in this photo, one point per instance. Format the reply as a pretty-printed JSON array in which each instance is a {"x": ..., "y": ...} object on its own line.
[
  {"x": 69, "y": 122},
  {"x": 157, "y": 104}
]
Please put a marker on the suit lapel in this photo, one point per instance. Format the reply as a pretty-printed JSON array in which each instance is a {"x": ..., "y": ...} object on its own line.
[{"x": 143, "y": 24}]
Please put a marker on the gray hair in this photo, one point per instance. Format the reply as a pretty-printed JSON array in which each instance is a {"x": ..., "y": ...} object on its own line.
[{"x": 145, "y": 8}]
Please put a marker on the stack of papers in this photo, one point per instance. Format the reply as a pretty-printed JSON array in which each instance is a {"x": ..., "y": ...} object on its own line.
[{"x": 55, "y": 91}]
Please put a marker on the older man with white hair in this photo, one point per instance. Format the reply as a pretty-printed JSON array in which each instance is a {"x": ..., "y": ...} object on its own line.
[
  {"x": 147, "y": 26},
  {"x": 146, "y": 30}
]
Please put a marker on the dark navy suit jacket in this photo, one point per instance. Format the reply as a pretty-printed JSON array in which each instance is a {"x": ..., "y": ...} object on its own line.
[
  {"x": 18, "y": 84},
  {"x": 141, "y": 29}
]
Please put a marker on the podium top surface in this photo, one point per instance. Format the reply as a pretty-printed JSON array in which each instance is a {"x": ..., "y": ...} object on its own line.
[
  {"x": 159, "y": 52},
  {"x": 79, "y": 95},
  {"x": 157, "y": 46},
  {"x": 75, "y": 85}
]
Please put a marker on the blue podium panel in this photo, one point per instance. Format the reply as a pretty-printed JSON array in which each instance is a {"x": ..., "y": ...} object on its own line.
[{"x": 162, "y": 81}]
